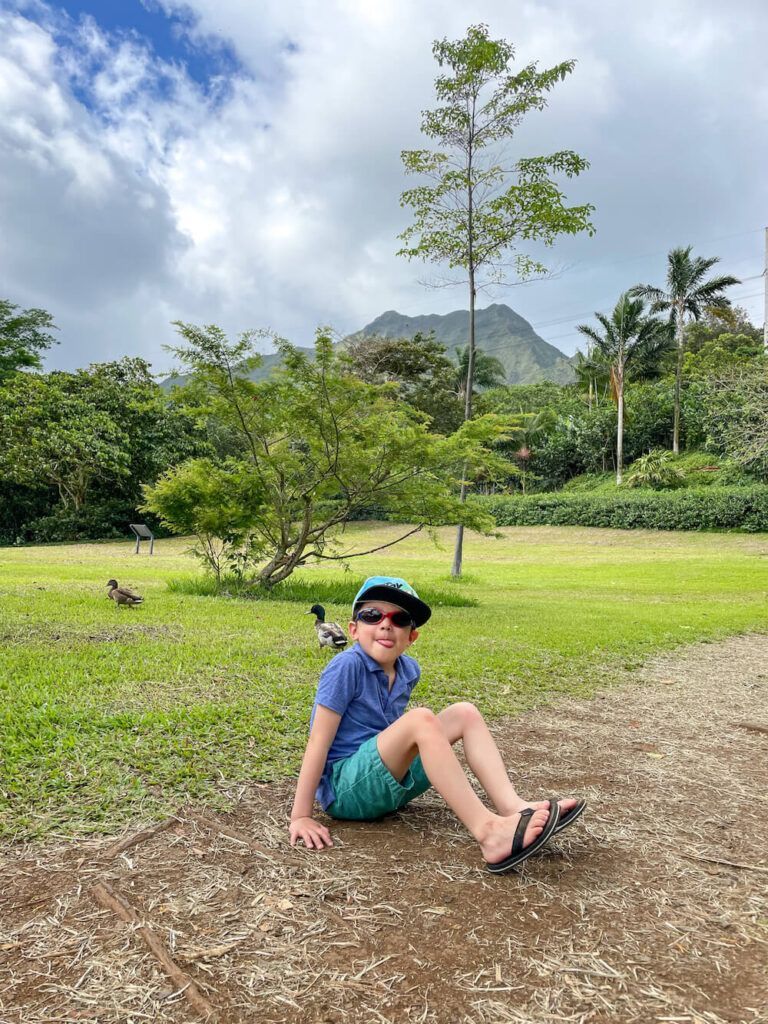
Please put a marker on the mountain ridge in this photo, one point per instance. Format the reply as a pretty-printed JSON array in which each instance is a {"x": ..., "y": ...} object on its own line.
[{"x": 499, "y": 331}]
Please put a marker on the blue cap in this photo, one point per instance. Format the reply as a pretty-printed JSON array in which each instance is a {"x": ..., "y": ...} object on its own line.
[{"x": 396, "y": 591}]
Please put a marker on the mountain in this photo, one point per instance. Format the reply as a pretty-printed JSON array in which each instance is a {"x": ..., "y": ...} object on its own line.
[{"x": 499, "y": 331}]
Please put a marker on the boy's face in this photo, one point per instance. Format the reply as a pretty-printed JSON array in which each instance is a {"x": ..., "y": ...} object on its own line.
[{"x": 383, "y": 641}]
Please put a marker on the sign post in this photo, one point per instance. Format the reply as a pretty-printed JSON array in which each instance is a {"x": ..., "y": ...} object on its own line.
[{"x": 143, "y": 532}]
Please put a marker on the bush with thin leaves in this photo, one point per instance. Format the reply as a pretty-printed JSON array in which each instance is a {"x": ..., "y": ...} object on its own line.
[{"x": 657, "y": 470}]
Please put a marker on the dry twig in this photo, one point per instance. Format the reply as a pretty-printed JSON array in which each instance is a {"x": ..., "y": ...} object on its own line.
[
  {"x": 751, "y": 727},
  {"x": 728, "y": 863},
  {"x": 139, "y": 837},
  {"x": 110, "y": 899},
  {"x": 233, "y": 833}
]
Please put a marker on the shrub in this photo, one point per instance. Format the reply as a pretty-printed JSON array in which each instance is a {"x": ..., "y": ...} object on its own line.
[
  {"x": 593, "y": 483},
  {"x": 95, "y": 522},
  {"x": 104, "y": 521},
  {"x": 703, "y": 469},
  {"x": 711, "y": 508},
  {"x": 657, "y": 470},
  {"x": 699, "y": 469}
]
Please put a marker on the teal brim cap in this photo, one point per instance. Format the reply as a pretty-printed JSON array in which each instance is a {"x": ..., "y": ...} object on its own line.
[{"x": 396, "y": 591}]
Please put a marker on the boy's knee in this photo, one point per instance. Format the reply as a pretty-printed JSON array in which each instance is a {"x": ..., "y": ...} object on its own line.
[
  {"x": 422, "y": 719},
  {"x": 467, "y": 712}
]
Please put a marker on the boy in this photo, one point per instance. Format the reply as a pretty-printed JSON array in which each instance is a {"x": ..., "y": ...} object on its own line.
[{"x": 367, "y": 756}]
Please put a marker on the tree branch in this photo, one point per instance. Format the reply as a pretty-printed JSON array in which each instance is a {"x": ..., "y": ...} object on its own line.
[{"x": 359, "y": 554}]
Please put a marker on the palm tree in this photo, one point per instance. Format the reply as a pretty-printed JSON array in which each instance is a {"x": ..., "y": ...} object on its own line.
[
  {"x": 532, "y": 427},
  {"x": 687, "y": 294},
  {"x": 488, "y": 371},
  {"x": 593, "y": 375},
  {"x": 629, "y": 339}
]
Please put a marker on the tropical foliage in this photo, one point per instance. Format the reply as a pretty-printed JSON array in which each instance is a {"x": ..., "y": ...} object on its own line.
[
  {"x": 315, "y": 447},
  {"x": 77, "y": 448},
  {"x": 424, "y": 375},
  {"x": 630, "y": 341},
  {"x": 24, "y": 335},
  {"x": 689, "y": 293},
  {"x": 657, "y": 470},
  {"x": 488, "y": 372}
]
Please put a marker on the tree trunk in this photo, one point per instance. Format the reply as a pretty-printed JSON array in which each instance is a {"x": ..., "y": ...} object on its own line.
[
  {"x": 458, "y": 553},
  {"x": 620, "y": 427},
  {"x": 678, "y": 380}
]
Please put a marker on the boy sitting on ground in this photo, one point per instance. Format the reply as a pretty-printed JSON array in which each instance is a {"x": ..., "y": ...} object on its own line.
[{"x": 367, "y": 756}]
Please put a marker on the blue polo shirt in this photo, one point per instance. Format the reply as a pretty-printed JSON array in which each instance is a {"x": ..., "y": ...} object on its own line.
[{"x": 356, "y": 687}]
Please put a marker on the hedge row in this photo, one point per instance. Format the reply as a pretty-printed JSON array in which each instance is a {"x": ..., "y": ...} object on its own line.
[{"x": 710, "y": 508}]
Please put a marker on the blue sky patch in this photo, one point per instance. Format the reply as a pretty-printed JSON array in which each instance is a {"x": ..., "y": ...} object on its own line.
[{"x": 207, "y": 61}]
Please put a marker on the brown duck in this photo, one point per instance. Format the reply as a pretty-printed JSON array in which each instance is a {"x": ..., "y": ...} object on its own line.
[
  {"x": 330, "y": 634},
  {"x": 123, "y": 596}
]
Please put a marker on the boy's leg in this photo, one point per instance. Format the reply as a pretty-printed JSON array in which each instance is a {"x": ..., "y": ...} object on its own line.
[
  {"x": 464, "y": 722},
  {"x": 420, "y": 732}
]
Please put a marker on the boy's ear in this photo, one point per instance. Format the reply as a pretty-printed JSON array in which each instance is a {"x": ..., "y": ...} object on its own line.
[{"x": 414, "y": 635}]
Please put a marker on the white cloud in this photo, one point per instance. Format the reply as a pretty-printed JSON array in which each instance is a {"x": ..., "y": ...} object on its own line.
[{"x": 130, "y": 196}]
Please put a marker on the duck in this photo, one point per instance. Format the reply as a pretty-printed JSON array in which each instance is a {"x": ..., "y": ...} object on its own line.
[
  {"x": 122, "y": 595},
  {"x": 330, "y": 634}
]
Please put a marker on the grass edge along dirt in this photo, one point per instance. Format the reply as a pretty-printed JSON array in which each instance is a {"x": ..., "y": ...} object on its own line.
[{"x": 110, "y": 716}]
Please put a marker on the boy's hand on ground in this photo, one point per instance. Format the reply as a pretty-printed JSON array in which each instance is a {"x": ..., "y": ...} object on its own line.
[{"x": 314, "y": 835}]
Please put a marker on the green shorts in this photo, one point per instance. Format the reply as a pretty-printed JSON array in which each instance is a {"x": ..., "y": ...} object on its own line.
[{"x": 366, "y": 789}]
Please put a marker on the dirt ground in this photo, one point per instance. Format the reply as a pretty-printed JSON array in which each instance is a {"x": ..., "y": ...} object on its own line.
[{"x": 654, "y": 908}]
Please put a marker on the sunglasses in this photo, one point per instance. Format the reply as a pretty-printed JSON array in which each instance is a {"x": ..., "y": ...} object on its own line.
[{"x": 372, "y": 617}]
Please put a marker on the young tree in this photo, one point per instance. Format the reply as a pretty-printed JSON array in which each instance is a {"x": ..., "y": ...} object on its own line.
[
  {"x": 629, "y": 339},
  {"x": 534, "y": 427},
  {"x": 475, "y": 208},
  {"x": 688, "y": 294},
  {"x": 657, "y": 470},
  {"x": 317, "y": 447},
  {"x": 24, "y": 334}
]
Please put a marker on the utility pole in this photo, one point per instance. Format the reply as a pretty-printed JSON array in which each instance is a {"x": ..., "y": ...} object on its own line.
[{"x": 765, "y": 285}]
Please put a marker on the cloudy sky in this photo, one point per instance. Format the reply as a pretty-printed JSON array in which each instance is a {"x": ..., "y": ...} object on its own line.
[{"x": 238, "y": 161}]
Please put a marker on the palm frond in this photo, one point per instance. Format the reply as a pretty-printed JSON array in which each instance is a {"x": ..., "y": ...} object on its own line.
[
  {"x": 714, "y": 286},
  {"x": 649, "y": 292},
  {"x": 590, "y": 333}
]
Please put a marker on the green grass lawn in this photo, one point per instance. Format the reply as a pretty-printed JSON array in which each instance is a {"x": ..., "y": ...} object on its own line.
[{"x": 110, "y": 714}]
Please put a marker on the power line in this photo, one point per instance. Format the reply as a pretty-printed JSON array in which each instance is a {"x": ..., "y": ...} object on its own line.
[
  {"x": 576, "y": 334},
  {"x": 575, "y": 316},
  {"x": 581, "y": 267}
]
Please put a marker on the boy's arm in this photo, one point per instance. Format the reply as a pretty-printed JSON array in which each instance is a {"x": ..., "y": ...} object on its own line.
[{"x": 303, "y": 826}]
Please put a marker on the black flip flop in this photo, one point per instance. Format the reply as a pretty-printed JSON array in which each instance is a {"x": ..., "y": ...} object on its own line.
[
  {"x": 519, "y": 853},
  {"x": 568, "y": 817}
]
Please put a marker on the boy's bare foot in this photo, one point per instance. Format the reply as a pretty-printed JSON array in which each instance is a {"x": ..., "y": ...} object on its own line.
[
  {"x": 569, "y": 811},
  {"x": 565, "y": 805},
  {"x": 496, "y": 842}
]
